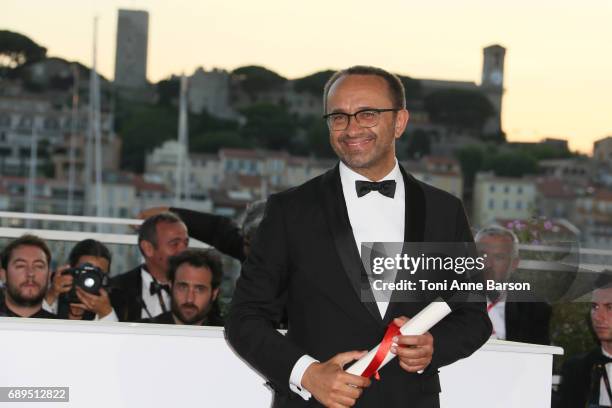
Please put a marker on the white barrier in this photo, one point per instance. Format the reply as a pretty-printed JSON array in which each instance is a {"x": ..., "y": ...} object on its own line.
[{"x": 140, "y": 365}]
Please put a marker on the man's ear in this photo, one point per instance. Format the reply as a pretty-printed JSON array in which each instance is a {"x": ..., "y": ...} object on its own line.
[
  {"x": 215, "y": 293},
  {"x": 401, "y": 121},
  {"x": 147, "y": 248}
]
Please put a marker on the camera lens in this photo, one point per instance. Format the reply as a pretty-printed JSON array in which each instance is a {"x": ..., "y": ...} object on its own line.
[{"x": 89, "y": 282}]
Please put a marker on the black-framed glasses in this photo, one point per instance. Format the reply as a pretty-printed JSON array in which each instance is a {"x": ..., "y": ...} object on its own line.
[{"x": 366, "y": 118}]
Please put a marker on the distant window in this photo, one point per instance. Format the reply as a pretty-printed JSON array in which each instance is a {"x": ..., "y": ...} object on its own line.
[
  {"x": 506, "y": 189},
  {"x": 25, "y": 122},
  {"x": 492, "y": 189},
  {"x": 519, "y": 205},
  {"x": 519, "y": 190},
  {"x": 491, "y": 204},
  {"x": 5, "y": 120}
]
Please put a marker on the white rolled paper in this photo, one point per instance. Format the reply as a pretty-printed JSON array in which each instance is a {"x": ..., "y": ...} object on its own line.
[{"x": 419, "y": 324}]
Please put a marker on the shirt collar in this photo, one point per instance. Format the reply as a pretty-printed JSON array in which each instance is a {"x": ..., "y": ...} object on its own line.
[
  {"x": 146, "y": 277},
  {"x": 605, "y": 353}
]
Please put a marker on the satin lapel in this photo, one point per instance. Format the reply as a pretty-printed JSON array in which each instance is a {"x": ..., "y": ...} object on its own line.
[
  {"x": 414, "y": 227},
  {"x": 337, "y": 218}
]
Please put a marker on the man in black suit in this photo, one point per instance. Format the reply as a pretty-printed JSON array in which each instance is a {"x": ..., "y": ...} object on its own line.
[
  {"x": 25, "y": 266},
  {"x": 218, "y": 231},
  {"x": 195, "y": 276},
  {"x": 144, "y": 291},
  {"x": 306, "y": 258},
  {"x": 585, "y": 378},
  {"x": 513, "y": 316}
]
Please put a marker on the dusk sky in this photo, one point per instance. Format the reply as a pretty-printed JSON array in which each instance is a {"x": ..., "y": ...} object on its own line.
[{"x": 558, "y": 73}]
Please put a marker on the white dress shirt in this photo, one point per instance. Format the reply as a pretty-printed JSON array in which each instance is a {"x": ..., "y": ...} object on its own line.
[
  {"x": 497, "y": 315},
  {"x": 374, "y": 218},
  {"x": 152, "y": 301}
]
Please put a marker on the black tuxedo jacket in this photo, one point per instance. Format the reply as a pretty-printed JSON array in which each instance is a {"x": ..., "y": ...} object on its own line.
[
  {"x": 528, "y": 322},
  {"x": 305, "y": 253},
  {"x": 577, "y": 378},
  {"x": 126, "y": 295}
]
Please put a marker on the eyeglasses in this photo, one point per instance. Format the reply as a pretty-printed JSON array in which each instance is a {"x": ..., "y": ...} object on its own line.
[{"x": 366, "y": 118}]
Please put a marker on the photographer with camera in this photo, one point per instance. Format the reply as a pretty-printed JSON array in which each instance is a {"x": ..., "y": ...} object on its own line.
[{"x": 77, "y": 291}]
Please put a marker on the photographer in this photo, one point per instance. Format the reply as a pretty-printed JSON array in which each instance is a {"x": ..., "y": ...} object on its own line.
[{"x": 70, "y": 300}]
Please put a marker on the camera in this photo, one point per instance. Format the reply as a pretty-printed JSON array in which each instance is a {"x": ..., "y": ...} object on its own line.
[{"x": 86, "y": 276}]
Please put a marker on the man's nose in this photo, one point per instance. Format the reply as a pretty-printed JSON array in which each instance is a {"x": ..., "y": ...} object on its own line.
[
  {"x": 353, "y": 127},
  {"x": 598, "y": 315}
]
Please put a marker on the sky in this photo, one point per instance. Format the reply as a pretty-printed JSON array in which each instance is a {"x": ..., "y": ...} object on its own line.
[{"x": 558, "y": 69}]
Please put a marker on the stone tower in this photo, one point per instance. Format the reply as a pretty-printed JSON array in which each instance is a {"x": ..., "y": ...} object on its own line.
[
  {"x": 492, "y": 84},
  {"x": 131, "y": 50}
]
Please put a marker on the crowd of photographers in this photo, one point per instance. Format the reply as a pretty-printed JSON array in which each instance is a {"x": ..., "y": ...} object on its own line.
[{"x": 173, "y": 285}]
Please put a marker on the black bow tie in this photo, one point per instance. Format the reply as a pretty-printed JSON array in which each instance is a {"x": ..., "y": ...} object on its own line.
[
  {"x": 386, "y": 188},
  {"x": 157, "y": 287}
]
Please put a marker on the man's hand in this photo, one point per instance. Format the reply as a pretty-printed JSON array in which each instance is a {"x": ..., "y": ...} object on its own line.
[
  {"x": 414, "y": 352},
  {"x": 330, "y": 385},
  {"x": 99, "y": 304},
  {"x": 60, "y": 284}
]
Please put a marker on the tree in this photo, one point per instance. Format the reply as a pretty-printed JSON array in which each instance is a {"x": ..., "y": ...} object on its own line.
[
  {"x": 471, "y": 159},
  {"x": 418, "y": 144},
  {"x": 211, "y": 142},
  {"x": 143, "y": 127},
  {"x": 255, "y": 79},
  {"x": 510, "y": 164},
  {"x": 412, "y": 87},
  {"x": 17, "y": 49},
  {"x": 168, "y": 90},
  {"x": 457, "y": 108},
  {"x": 269, "y": 126},
  {"x": 314, "y": 83},
  {"x": 317, "y": 136}
]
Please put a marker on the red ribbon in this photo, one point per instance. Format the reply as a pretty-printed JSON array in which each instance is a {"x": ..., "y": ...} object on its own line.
[{"x": 385, "y": 345}]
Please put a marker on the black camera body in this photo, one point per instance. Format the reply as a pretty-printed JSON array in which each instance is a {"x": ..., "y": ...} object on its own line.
[{"x": 86, "y": 276}]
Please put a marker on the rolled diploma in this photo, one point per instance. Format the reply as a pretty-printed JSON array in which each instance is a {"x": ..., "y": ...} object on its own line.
[{"x": 419, "y": 324}]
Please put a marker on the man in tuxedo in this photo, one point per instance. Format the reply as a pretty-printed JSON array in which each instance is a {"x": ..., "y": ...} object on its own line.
[
  {"x": 305, "y": 257},
  {"x": 513, "y": 316},
  {"x": 218, "y": 231},
  {"x": 144, "y": 292},
  {"x": 585, "y": 378},
  {"x": 25, "y": 267},
  {"x": 195, "y": 276}
]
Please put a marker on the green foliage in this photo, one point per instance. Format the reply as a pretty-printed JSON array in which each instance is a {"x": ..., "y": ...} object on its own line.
[
  {"x": 168, "y": 90},
  {"x": 460, "y": 109},
  {"x": 255, "y": 79},
  {"x": 318, "y": 139},
  {"x": 418, "y": 144},
  {"x": 471, "y": 159},
  {"x": 314, "y": 83},
  {"x": 211, "y": 142},
  {"x": 17, "y": 49},
  {"x": 143, "y": 127},
  {"x": 510, "y": 164},
  {"x": 541, "y": 151},
  {"x": 412, "y": 87},
  {"x": 269, "y": 126}
]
